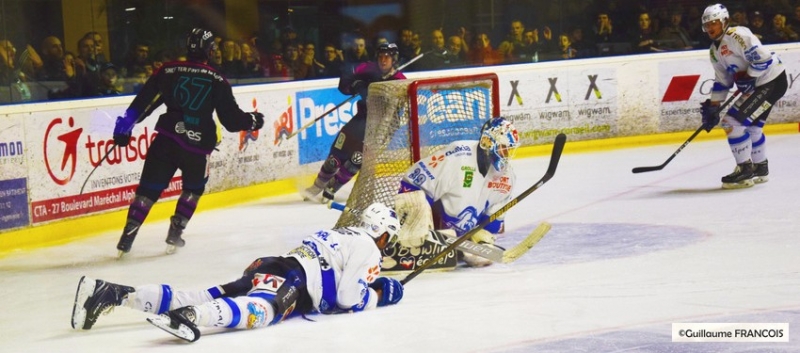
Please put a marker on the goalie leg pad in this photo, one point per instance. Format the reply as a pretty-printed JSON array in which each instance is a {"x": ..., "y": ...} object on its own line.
[{"x": 415, "y": 217}]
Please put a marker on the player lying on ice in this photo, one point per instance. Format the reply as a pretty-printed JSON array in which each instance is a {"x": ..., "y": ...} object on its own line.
[
  {"x": 459, "y": 187},
  {"x": 332, "y": 271}
]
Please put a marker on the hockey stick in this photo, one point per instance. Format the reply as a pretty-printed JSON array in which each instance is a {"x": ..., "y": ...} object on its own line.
[
  {"x": 140, "y": 118},
  {"x": 312, "y": 122},
  {"x": 558, "y": 147},
  {"x": 494, "y": 253},
  {"x": 696, "y": 132}
]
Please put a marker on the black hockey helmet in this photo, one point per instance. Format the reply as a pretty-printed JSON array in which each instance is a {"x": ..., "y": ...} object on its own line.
[
  {"x": 200, "y": 44},
  {"x": 388, "y": 49}
]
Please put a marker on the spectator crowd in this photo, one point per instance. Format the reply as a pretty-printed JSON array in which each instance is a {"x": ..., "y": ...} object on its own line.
[{"x": 85, "y": 72}]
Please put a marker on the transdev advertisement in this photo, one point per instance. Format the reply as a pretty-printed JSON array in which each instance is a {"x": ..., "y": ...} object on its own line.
[{"x": 315, "y": 142}]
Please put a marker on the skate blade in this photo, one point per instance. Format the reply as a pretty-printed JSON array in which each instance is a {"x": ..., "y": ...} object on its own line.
[
  {"x": 120, "y": 254},
  {"x": 740, "y": 185},
  {"x": 171, "y": 249},
  {"x": 761, "y": 179},
  {"x": 183, "y": 332},
  {"x": 85, "y": 290}
]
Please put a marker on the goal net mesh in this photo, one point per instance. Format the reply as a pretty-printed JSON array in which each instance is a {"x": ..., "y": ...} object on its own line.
[{"x": 411, "y": 119}]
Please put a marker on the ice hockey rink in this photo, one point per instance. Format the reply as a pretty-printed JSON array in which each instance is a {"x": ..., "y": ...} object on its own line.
[{"x": 628, "y": 255}]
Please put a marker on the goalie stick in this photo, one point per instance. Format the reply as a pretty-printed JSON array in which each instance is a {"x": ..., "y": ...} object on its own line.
[
  {"x": 696, "y": 132},
  {"x": 558, "y": 147},
  {"x": 494, "y": 253},
  {"x": 312, "y": 122}
]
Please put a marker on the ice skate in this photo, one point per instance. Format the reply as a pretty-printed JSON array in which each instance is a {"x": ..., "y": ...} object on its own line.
[
  {"x": 742, "y": 177},
  {"x": 128, "y": 236},
  {"x": 179, "y": 323},
  {"x": 311, "y": 193},
  {"x": 93, "y": 298},
  {"x": 327, "y": 195},
  {"x": 174, "y": 240},
  {"x": 761, "y": 173},
  {"x": 475, "y": 261}
]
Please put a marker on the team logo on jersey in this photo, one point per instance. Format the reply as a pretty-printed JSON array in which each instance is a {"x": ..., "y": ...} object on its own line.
[
  {"x": 435, "y": 160},
  {"x": 725, "y": 51},
  {"x": 372, "y": 273},
  {"x": 501, "y": 184},
  {"x": 468, "y": 176},
  {"x": 339, "y": 141}
]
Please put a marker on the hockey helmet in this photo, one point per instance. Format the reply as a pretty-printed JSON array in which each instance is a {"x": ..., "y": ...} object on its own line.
[
  {"x": 388, "y": 49},
  {"x": 716, "y": 12},
  {"x": 499, "y": 138},
  {"x": 377, "y": 220},
  {"x": 200, "y": 44}
]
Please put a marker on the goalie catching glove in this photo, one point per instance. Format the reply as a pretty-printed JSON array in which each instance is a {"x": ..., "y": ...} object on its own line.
[
  {"x": 415, "y": 216},
  {"x": 389, "y": 290}
]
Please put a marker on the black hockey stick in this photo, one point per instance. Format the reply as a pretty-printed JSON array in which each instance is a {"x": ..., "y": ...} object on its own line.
[
  {"x": 696, "y": 132},
  {"x": 141, "y": 117},
  {"x": 558, "y": 147},
  {"x": 312, "y": 122}
]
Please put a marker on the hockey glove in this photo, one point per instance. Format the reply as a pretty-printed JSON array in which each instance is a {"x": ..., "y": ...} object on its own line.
[
  {"x": 744, "y": 82},
  {"x": 389, "y": 289},
  {"x": 359, "y": 87},
  {"x": 122, "y": 130},
  {"x": 258, "y": 120},
  {"x": 710, "y": 114}
]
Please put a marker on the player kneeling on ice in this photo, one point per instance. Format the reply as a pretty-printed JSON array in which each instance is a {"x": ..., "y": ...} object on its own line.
[
  {"x": 739, "y": 58},
  {"x": 332, "y": 271},
  {"x": 460, "y": 187}
]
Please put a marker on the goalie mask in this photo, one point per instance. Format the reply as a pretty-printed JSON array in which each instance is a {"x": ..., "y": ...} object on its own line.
[
  {"x": 499, "y": 139},
  {"x": 379, "y": 220}
]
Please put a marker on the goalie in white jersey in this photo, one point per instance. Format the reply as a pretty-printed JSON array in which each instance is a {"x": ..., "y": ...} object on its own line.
[
  {"x": 739, "y": 58},
  {"x": 463, "y": 184},
  {"x": 332, "y": 271}
]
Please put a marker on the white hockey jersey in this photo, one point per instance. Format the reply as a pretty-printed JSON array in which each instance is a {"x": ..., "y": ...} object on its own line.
[
  {"x": 339, "y": 265},
  {"x": 739, "y": 50},
  {"x": 451, "y": 177}
]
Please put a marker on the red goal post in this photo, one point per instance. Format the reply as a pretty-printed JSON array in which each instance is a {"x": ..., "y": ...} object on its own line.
[{"x": 410, "y": 119}]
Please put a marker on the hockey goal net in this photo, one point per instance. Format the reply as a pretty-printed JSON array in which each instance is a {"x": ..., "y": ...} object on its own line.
[{"x": 411, "y": 119}]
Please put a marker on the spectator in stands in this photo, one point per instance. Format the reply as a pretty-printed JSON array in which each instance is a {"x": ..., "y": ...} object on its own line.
[
  {"x": 308, "y": 61},
  {"x": 514, "y": 42},
  {"x": 565, "y": 49},
  {"x": 643, "y": 39},
  {"x": 455, "y": 54},
  {"x": 251, "y": 66},
  {"x": 406, "y": 45},
  {"x": 291, "y": 57},
  {"x": 53, "y": 63},
  {"x": 535, "y": 45},
  {"x": 139, "y": 56},
  {"x": 758, "y": 26},
  {"x": 794, "y": 21},
  {"x": 357, "y": 53},
  {"x": 8, "y": 68},
  {"x": 98, "y": 46},
  {"x": 215, "y": 61},
  {"x": 86, "y": 62},
  {"x": 781, "y": 33},
  {"x": 231, "y": 66},
  {"x": 277, "y": 67},
  {"x": 583, "y": 48},
  {"x": 673, "y": 36},
  {"x": 604, "y": 31},
  {"x": 739, "y": 17},
  {"x": 164, "y": 56},
  {"x": 482, "y": 52},
  {"x": 332, "y": 61},
  {"x": 435, "y": 57},
  {"x": 108, "y": 84}
]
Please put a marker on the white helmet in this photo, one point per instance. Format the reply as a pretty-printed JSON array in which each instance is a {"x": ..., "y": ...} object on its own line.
[
  {"x": 500, "y": 138},
  {"x": 378, "y": 219},
  {"x": 713, "y": 13}
]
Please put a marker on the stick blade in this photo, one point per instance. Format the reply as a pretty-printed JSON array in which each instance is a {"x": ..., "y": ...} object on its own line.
[{"x": 638, "y": 170}]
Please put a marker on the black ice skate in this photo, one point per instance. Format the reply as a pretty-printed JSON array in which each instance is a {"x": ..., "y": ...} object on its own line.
[
  {"x": 93, "y": 298},
  {"x": 742, "y": 177},
  {"x": 179, "y": 323},
  {"x": 761, "y": 173},
  {"x": 128, "y": 236},
  {"x": 174, "y": 241}
]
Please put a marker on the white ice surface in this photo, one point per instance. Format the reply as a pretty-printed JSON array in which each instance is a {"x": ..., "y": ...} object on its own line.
[{"x": 628, "y": 255}]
